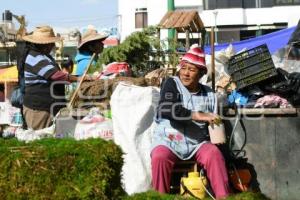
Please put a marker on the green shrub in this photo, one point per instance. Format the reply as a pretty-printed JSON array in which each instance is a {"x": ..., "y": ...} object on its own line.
[{"x": 60, "y": 169}]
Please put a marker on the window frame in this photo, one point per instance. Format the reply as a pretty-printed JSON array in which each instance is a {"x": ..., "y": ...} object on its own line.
[{"x": 141, "y": 18}]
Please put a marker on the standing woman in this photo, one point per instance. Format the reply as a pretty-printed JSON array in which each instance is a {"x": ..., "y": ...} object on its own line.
[
  {"x": 185, "y": 109},
  {"x": 91, "y": 42},
  {"x": 44, "y": 89},
  {"x": 67, "y": 65}
]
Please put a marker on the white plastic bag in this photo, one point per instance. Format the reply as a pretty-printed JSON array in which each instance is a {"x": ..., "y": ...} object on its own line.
[
  {"x": 133, "y": 110},
  {"x": 31, "y": 135},
  {"x": 94, "y": 125}
]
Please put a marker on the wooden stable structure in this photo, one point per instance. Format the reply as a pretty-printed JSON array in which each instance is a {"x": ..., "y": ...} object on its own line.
[{"x": 184, "y": 22}]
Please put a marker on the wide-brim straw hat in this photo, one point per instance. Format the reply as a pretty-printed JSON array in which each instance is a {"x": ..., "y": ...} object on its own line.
[
  {"x": 91, "y": 35},
  {"x": 42, "y": 35}
]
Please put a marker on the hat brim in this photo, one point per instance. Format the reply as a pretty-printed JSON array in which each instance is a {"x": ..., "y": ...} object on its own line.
[
  {"x": 98, "y": 37},
  {"x": 41, "y": 40}
]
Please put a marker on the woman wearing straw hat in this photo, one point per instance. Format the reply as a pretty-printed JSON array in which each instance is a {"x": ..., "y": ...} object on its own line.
[
  {"x": 44, "y": 81},
  {"x": 91, "y": 42},
  {"x": 184, "y": 112}
]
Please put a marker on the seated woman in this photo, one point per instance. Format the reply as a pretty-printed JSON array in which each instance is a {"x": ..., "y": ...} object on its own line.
[
  {"x": 185, "y": 109},
  {"x": 67, "y": 66}
]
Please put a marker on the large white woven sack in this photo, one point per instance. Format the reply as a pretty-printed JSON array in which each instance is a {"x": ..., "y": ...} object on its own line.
[{"x": 133, "y": 110}]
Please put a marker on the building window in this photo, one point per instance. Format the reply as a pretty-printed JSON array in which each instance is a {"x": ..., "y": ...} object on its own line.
[
  {"x": 141, "y": 18},
  {"x": 249, "y": 3},
  {"x": 286, "y": 2},
  {"x": 188, "y": 8},
  {"x": 266, "y": 3},
  {"x": 219, "y": 4},
  {"x": 210, "y": 4}
]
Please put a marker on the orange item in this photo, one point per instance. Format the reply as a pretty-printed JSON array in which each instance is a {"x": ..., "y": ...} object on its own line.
[{"x": 240, "y": 179}]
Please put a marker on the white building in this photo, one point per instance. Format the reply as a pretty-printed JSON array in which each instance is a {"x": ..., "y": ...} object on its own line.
[
  {"x": 136, "y": 14},
  {"x": 235, "y": 19}
]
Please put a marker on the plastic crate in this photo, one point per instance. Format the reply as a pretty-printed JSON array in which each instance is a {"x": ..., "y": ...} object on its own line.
[
  {"x": 248, "y": 53},
  {"x": 251, "y": 66},
  {"x": 251, "y": 60},
  {"x": 257, "y": 68},
  {"x": 256, "y": 78}
]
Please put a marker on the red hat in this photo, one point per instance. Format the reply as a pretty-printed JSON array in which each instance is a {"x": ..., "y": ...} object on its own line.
[{"x": 195, "y": 56}]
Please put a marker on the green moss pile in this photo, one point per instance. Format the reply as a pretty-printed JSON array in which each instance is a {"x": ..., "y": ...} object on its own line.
[
  {"x": 60, "y": 169},
  {"x": 152, "y": 195}
]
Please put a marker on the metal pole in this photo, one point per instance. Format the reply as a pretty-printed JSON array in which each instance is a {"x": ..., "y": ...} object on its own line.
[
  {"x": 119, "y": 18},
  {"x": 216, "y": 33},
  {"x": 212, "y": 52}
]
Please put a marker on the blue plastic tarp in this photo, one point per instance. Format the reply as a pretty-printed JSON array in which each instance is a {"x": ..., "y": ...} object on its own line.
[{"x": 274, "y": 41}]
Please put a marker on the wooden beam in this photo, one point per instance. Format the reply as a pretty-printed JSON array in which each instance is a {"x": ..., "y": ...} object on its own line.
[{"x": 203, "y": 33}]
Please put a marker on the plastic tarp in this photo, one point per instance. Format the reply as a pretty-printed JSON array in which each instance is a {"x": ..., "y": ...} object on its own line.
[
  {"x": 274, "y": 41},
  {"x": 9, "y": 74},
  {"x": 295, "y": 38}
]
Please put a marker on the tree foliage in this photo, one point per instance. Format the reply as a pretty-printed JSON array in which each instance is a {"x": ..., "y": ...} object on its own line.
[{"x": 143, "y": 51}]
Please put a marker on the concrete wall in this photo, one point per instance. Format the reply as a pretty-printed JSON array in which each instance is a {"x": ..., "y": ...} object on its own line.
[{"x": 273, "y": 148}]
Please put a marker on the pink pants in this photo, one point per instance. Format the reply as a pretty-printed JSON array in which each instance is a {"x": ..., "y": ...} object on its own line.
[{"x": 208, "y": 156}]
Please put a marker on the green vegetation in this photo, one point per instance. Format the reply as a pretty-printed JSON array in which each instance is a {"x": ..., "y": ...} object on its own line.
[
  {"x": 68, "y": 169},
  {"x": 143, "y": 51},
  {"x": 152, "y": 195},
  {"x": 60, "y": 169}
]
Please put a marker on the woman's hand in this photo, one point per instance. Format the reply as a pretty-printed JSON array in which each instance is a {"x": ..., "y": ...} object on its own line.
[
  {"x": 86, "y": 78},
  {"x": 207, "y": 117}
]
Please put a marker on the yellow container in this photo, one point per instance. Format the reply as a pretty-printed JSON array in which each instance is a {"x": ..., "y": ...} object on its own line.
[{"x": 193, "y": 185}]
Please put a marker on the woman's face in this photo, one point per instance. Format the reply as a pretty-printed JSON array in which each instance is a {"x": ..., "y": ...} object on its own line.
[
  {"x": 189, "y": 75},
  {"x": 97, "y": 46},
  {"x": 68, "y": 70},
  {"x": 50, "y": 47}
]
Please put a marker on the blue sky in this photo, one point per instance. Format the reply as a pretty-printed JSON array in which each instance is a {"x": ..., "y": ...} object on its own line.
[{"x": 64, "y": 13}]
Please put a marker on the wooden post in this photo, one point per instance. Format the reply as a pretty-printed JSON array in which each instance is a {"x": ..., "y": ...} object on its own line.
[
  {"x": 159, "y": 54},
  {"x": 200, "y": 39},
  {"x": 212, "y": 52},
  {"x": 158, "y": 36},
  {"x": 187, "y": 39},
  {"x": 203, "y": 33}
]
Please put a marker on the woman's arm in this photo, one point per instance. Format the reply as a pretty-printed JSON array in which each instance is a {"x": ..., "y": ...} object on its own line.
[
  {"x": 62, "y": 76},
  {"x": 170, "y": 106}
]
